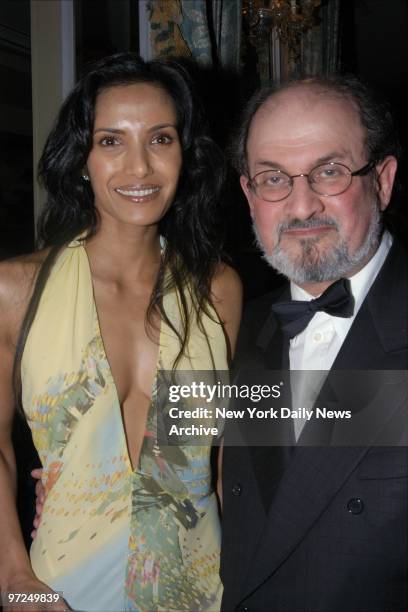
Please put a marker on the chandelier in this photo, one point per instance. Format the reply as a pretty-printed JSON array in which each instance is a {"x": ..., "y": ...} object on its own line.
[{"x": 289, "y": 18}]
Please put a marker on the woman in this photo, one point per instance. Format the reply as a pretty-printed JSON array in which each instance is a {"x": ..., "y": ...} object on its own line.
[{"x": 129, "y": 284}]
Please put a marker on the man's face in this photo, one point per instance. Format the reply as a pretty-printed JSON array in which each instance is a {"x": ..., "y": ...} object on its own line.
[{"x": 309, "y": 237}]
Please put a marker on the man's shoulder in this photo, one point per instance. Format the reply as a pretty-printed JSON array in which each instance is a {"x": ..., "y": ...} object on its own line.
[
  {"x": 398, "y": 254},
  {"x": 255, "y": 314},
  {"x": 401, "y": 256},
  {"x": 259, "y": 308},
  {"x": 387, "y": 299},
  {"x": 391, "y": 283}
]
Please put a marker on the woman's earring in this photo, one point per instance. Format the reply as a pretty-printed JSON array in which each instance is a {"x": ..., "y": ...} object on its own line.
[{"x": 85, "y": 177}]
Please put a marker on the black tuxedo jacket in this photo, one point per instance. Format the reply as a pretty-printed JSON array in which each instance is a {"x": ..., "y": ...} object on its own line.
[{"x": 323, "y": 528}]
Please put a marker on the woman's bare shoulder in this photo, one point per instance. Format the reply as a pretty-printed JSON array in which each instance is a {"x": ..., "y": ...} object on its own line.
[
  {"x": 226, "y": 289},
  {"x": 226, "y": 285},
  {"x": 17, "y": 277}
]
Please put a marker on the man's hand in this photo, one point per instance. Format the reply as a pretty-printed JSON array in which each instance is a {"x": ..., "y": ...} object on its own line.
[{"x": 39, "y": 500}]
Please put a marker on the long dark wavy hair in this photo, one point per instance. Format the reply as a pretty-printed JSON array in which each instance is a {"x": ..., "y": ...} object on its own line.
[{"x": 190, "y": 226}]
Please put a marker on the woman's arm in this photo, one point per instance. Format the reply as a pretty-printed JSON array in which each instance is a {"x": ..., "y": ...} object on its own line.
[
  {"x": 16, "y": 574},
  {"x": 227, "y": 300},
  {"x": 14, "y": 562}
]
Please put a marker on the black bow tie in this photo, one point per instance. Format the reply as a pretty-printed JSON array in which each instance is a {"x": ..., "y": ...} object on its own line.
[{"x": 295, "y": 315}]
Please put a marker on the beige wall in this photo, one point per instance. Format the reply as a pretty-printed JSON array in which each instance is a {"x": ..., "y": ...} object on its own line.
[{"x": 53, "y": 66}]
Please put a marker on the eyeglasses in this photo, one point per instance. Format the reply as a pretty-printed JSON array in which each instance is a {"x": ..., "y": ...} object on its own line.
[{"x": 329, "y": 179}]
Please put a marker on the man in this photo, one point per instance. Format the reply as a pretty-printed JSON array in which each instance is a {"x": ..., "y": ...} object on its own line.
[{"x": 321, "y": 528}]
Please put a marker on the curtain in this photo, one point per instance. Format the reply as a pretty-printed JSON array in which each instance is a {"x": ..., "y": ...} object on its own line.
[
  {"x": 165, "y": 19},
  {"x": 318, "y": 52},
  {"x": 207, "y": 30},
  {"x": 196, "y": 30},
  {"x": 319, "y": 46},
  {"x": 314, "y": 51}
]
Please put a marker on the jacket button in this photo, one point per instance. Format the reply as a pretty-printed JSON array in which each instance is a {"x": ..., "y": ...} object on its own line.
[
  {"x": 355, "y": 505},
  {"x": 236, "y": 490},
  {"x": 242, "y": 609}
]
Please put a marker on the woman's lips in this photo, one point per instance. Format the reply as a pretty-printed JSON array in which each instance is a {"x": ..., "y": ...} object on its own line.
[
  {"x": 140, "y": 193},
  {"x": 137, "y": 192}
]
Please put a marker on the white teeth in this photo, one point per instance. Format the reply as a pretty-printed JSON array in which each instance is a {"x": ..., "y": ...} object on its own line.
[{"x": 138, "y": 193}]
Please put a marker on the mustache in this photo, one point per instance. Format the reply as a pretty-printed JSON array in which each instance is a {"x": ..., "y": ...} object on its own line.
[{"x": 307, "y": 224}]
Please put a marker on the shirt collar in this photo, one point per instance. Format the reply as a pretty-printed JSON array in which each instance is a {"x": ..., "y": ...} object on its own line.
[{"x": 361, "y": 282}]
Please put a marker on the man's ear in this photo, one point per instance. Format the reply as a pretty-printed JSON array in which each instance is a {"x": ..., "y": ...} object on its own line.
[
  {"x": 386, "y": 171},
  {"x": 248, "y": 193}
]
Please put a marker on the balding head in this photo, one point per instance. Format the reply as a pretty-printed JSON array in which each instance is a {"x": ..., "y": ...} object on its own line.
[
  {"x": 380, "y": 137},
  {"x": 301, "y": 118}
]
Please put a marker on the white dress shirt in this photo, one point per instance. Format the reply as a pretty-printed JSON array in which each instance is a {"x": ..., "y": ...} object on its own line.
[{"x": 317, "y": 346}]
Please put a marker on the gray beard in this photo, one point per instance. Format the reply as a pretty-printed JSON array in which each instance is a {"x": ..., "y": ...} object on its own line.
[{"x": 313, "y": 267}]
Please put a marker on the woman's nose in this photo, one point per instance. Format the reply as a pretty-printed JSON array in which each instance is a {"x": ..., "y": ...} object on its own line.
[{"x": 138, "y": 160}]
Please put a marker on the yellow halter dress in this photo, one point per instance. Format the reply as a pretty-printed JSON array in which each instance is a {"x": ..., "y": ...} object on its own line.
[{"x": 112, "y": 538}]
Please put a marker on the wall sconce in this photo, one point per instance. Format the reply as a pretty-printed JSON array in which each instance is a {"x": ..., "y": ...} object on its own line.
[{"x": 288, "y": 18}]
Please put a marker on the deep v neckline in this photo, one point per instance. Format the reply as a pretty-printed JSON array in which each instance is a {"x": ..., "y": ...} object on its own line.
[{"x": 137, "y": 466}]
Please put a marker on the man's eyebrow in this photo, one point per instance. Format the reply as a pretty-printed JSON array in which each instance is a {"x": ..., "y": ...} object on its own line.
[
  {"x": 269, "y": 164},
  {"x": 333, "y": 155}
]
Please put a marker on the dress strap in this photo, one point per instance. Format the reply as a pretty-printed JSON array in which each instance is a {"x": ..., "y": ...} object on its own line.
[{"x": 79, "y": 240}]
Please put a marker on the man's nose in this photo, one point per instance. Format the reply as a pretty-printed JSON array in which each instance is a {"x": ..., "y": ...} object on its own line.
[
  {"x": 138, "y": 160},
  {"x": 303, "y": 202}
]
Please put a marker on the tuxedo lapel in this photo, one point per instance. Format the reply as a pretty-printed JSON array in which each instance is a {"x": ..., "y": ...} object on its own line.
[
  {"x": 378, "y": 402},
  {"x": 343, "y": 388},
  {"x": 378, "y": 338},
  {"x": 270, "y": 461},
  {"x": 271, "y": 341},
  {"x": 311, "y": 480},
  {"x": 266, "y": 463},
  {"x": 315, "y": 475},
  {"x": 374, "y": 359},
  {"x": 376, "y": 341}
]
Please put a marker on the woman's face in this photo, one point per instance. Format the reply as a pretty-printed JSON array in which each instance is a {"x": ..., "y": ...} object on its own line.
[{"x": 135, "y": 161}]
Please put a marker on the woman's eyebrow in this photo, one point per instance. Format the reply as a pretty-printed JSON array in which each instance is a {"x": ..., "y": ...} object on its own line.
[
  {"x": 111, "y": 130},
  {"x": 159, "y": 126}
]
